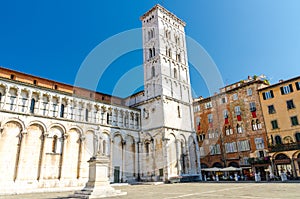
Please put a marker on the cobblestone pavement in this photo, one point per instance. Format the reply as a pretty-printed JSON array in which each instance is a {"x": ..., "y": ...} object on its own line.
[{"x": 193, "y": 190}]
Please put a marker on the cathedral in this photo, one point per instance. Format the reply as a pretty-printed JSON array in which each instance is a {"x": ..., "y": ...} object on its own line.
[{"x": 49, "y": 130}]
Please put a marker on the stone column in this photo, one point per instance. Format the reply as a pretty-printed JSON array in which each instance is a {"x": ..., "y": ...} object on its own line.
[
  {"x": 29, "y": 102},
  {"x": 62, "y": 169},
  {"x": 39, "y": 101},
  {"x": 177, "y": 142},
  {"x": 166, "y": 159},
  {"x": 153, "y": 157},
  {"x": 5, "y": 97},
  {"x": 49, "y": 106},
  {"x": 136, "y": 144},
  {"x": 123, "y": 160},
  {"x": 141, "y": 156},
  {"x": 59, "y": 107},
  {"x": 17, "y": 100}
]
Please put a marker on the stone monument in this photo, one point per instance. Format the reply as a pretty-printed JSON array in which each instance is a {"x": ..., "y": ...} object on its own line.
[{"x": 98, "y": 185}]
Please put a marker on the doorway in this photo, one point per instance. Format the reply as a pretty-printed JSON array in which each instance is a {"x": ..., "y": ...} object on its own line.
[{"x": 116, "y": 174}]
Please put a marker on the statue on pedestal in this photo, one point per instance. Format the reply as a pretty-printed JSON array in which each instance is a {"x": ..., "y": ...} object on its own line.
[{"x": 98, "y": 185}]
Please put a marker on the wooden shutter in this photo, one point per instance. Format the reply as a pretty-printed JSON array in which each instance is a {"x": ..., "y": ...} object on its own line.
[
  {"x": 264, "y": 95},
  {"x": 272, "y": 94},
  {"x": 291, "y": 87},
  {"x": 282, "y": 91},
  {"x": 298, "y": 85}
]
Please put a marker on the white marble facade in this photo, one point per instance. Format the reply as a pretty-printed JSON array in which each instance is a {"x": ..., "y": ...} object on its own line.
[{"x": 47, "y": 137}]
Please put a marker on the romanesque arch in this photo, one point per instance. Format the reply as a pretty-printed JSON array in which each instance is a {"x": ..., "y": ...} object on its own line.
[
  {"x": 193, "y": 154},
  {"x": 117, "y": 157},
  {"x": 172, "y": 156},
  {"x": 105, "y": 144},
  {"x": 72, "y": 154},
  {"x": 130, "y": 158},
  {"x": 53, "y": 150},
  {"x": 31, "y": 152},
  {"x": 10, "y": 139},
  {"x": 159, "y": 155},
  {"x": 183, "y": 154},
  {"x": 87, "y": 152}
]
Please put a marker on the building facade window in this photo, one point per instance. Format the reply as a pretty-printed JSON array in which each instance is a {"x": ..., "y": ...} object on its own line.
[
  {"x": 239, "y": 128},
  {"x": 286, "y": 89},
  {"x": 62, "y": 110},
  {"x": 268, "y": 95},
  {"x": 32, "y": 105},
  {"x": 294, "y": 121},
  {"x": 210, "y": 118},
  {"x": 235, "y": 96},
  {"x": 271, "y": 109},
  {"x": 208, "y": 105},
  {"x": 274, "y": 124},
  {"x": 290, "y": 104},
  {"x": 228, "y": 130},
  {"x": 237, "y": 110},
  {"x": 225, "y": 114},
  {"x": 259, "y": 143},
  {"x": 223, "y": 100},
  {"x": 252, "y": 106},
  {"x": 86, "y": 115},
  {"x": 254, "y": 125},
  {"x": 278, "y": 139},
  {"x": 214, "y": 149},
  {"x": 197, "y": 108},
  {"x": 230, "y": 147},
  {"x": 249, "y": 91},
  {"x": 243, "y": 145}
]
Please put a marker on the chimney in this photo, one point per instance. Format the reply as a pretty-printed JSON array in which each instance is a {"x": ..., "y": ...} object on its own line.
[{"x": 280, "y": 81}]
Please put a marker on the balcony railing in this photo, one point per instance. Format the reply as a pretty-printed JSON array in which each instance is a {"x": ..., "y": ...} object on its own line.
[{"x": 284, "y": 147}]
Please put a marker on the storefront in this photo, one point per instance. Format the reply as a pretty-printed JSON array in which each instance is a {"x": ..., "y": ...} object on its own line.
[{"x": 282, "y": 163}]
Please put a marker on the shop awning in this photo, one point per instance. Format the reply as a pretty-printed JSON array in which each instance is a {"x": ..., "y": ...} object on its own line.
[{"x": 222, "y": 169}]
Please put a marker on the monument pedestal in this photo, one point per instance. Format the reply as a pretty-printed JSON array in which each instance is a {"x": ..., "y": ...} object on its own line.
[{"x": 98, "y": 185}]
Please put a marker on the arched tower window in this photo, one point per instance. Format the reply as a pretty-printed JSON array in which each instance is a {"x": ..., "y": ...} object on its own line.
[
  {"x": 153, "y": 71},
  {"x": 175, "y": 73},
  {"x": 178, "y": 111},
  {"x": 150, "y": 53}
]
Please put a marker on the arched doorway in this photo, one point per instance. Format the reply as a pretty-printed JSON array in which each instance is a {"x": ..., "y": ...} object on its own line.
[
  {"x": 282, "y": 164},
  {"x": 233, "y": 164},
  {"x": 217, "y": 164},
  {"x": 203, "y": 166}
]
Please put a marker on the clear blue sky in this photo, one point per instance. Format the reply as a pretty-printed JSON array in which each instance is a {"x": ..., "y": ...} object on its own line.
[{"x": 51, "y": 38}]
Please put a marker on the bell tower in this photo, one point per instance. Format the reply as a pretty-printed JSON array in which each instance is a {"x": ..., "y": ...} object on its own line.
[
  {"x": 168, "y": 143},
  {"x": 166, "y": 71}
]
